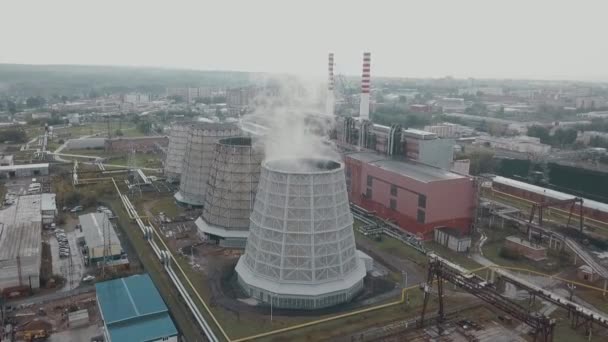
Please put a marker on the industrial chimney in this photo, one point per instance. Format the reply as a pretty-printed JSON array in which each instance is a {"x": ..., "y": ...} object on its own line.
[
  {"x": 331, "y": 101},
  {"x": 365, "y": 86}
]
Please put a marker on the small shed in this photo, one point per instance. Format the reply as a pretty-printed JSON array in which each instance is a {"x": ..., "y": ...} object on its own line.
[
  {"x": 453, "y": 239},
  {"x": 586, "y": 273}
]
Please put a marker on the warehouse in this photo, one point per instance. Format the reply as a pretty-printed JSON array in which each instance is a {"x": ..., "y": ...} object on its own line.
[
  {"x": 132, "y": 310},
  {"x": 26, "y": 170},
  {"x": 415, "y": 196},
  {"x": 20, "y": 243},
  {"x": 94, "y": 227},
  {"x": 591, "y": 209}
]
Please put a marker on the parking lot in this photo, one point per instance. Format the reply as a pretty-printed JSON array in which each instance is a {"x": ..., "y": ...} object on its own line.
[{"x": 63, "y": 265}]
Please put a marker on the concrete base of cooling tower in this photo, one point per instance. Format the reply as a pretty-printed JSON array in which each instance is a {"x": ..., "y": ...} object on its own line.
[
  {"x": 225, "y": 237},
  {"x": 299, "y": 295},
  {"x": 187, "y": 200}
]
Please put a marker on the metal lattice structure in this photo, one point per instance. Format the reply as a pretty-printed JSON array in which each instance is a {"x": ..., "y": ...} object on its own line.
[
  {"x": 300, "y": 251},
  {"x": 200, "y": 150},
  {"x": 231, "y": 188},
  {"x": 178, "y": 140}
]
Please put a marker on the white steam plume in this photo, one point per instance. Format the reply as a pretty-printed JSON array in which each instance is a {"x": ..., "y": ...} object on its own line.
[{"x": 298, "y": 127}]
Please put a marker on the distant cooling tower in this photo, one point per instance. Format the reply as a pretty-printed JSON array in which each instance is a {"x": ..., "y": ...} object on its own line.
[
  {"x": 301, "y": 248},
  {"x": 200, "y": 149},
  {"x": 178, "y": 139},
  {"x": 231, "y": 188}
]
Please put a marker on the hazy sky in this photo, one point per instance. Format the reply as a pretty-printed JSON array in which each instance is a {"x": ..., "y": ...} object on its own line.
[{"x": 426, "y": 38}]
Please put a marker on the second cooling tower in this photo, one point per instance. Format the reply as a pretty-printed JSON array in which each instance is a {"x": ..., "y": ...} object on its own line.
[
  {"x": 300, "y": 252},
  {"x": 231, "y": 188},
  {"x": 200, "y": 149}
]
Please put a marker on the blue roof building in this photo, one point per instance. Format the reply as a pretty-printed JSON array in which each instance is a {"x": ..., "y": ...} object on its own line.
[{"x": 132, "y": 310}]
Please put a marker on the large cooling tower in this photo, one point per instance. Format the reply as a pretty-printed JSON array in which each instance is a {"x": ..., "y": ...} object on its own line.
[
  {"x": 301, "y": 248},
  {"x": 197, "y": 160},
  {"x": 233, "y": 182},
  {"x": 178, "y": 139}
]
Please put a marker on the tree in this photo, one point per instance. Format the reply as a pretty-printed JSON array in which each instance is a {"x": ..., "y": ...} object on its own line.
[
  {"x": 563, "y": 137},
  {"x": 64, "y": 99},
  {"x": 540, "y": 132},
  {"x": 118, "y": 133},
  {"x": 13, "y": 134},
  {"x": 481, "y": 162},
  {"x": 144, "y": 126}
]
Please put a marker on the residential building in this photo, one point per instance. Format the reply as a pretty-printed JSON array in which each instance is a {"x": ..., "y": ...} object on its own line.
[{"x": 522, "y": 143}]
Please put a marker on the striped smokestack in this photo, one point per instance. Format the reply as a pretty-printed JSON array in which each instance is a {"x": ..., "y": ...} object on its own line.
[
  {"x": 365, "y": 87},
  {"x": 329, "y": 109},
  {"x": 330, "y": 71}
]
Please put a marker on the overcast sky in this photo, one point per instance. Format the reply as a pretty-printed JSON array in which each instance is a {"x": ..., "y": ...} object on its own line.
[{"x": 464, "y": 38}]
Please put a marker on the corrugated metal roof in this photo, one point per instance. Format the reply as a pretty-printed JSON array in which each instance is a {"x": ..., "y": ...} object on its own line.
[
  {"x": 133, "y": 310},
  {"x": 587, "y": 203},
  {"x": 23, "y": 239},
  {"x": 94, "y": 225}
]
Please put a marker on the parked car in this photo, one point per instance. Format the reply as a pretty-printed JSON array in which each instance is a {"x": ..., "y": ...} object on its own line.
[
  {"x": 76, "y": 209},
  {"x": 88, "y": 278}
]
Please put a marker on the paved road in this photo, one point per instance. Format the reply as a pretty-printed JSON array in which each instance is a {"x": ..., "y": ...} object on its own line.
[{"x": 47, "y": 297}]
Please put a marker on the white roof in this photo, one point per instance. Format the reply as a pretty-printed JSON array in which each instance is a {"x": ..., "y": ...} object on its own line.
[
  {"x": 94, "y": 226},
  {"x": 24, "y": 166},
  {"x": 48, "y": 202},
  {"x": 587, "y": 203}
]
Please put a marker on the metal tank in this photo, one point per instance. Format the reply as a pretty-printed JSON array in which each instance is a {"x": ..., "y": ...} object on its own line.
[
  {"x": 198, "y": 157},
  {"x": 300, "y": 252}
]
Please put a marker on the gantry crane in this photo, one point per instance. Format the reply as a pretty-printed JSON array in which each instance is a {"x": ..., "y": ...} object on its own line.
[{"x": 556, "y": 203}]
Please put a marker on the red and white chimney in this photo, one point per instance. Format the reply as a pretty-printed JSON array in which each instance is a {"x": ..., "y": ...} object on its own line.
[
  {"x": 330, "y": 104},
  {"x": 365, "y": 87}
]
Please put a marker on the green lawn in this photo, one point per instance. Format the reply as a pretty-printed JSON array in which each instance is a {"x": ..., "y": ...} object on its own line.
[
  {"x": 168, "y": 206},
  {"x": 180, "y": 313},
  {"x": 394, "y": 247}
]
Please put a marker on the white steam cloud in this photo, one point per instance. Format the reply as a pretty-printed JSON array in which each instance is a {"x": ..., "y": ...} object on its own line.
[{"x": 293, "y": 112}]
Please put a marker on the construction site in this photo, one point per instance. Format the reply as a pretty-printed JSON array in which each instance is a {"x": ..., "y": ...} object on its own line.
[{"x": 380, "y": 241}]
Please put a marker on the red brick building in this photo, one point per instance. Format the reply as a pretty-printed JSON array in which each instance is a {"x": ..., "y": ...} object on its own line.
[
  {"x": 591, "y": 209},
  {"x": 525, "y": 248},
  {"x": 140, "y": 144},
  {"x": 417, "y": 197}
]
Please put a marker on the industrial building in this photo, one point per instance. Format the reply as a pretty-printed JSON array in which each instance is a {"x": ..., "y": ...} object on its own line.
[
  {"x": 231, "y": 188},
  {"x": 6, "y": 159},
  {"x": 591, "y": 209},
  {"x": 300, "y": 252},
  {"x": 414, "y": 144},
  {"x": 20, "y": 243},
  {"x": 524, "y": 144},
  {"x": 99, "y": 238},
  {"x": 25, "y": 170},
  {"x": 132, "y": 310},
  {"x": 453, "y": 239},
  {"x": 138, "y": 144},
  {"x": 200, "y": 149},
  {"x": 524, "y": 247},
  {"x": 417, "y": 197},
  {"x": 48, "y": 208},
  {"x": 178, "y": 139}
]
